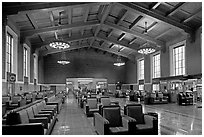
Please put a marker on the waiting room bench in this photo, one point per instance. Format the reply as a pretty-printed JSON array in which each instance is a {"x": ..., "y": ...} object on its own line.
[{"x": 36, "y": 118}]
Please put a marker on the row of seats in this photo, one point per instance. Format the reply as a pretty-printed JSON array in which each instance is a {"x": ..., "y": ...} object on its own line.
[
  {"x": 19, "y": 100},
  {"x": 156, "y": 98},
  {"x": 36, "y": 118},
  {"x": 108, "y": 119},
  {"x": 133, "y": 122}
]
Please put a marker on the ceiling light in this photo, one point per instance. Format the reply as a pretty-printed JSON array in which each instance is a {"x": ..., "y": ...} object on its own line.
[
  {"x": 63, "y": 59},
  {"x": 146, "y": 49},
  {"x": 119, "y": 62}
]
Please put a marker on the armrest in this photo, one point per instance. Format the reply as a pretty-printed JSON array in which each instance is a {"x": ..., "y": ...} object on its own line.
[
  {"x": 46, "y": 112},
  {"x": 23, "y": 129},
  {"x": 148, "y": 119},
  {"x": 43, "y": 115},
  {"x": 101, "y": 124},
  {"x": 129, "y": 123},
  {"x": 42, "y": 120},
  {"x": 86, "y": 109}
]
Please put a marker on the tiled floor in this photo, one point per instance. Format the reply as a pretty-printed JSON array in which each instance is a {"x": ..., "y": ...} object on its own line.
[{"x": 173, "y": 119}]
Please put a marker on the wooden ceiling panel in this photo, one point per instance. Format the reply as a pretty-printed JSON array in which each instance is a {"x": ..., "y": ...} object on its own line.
[
  {"x": 92, "y": 17},
  {"x": 125, "y": 24},
  {"x": 78, "y": 11},
  {"x": 77, "y": 19},
  {"x": 94, "y": 9},
  {"x": 111, "y": 19},
  {"x": 191, "y": 7},
  {"x": 19, "y": 18},
  {"x": 169, "y": 36},
  {"x": 180, "y": 16},
  {"x": 173, "y": 3}
]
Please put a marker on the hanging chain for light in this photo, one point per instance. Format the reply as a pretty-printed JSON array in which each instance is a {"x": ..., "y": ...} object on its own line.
[
  {"x": 146, "y": 48},
  {"x": 59, "y": 43},
  {"x": 63, "y": 60},
  {"x": 119, "y": 61}
]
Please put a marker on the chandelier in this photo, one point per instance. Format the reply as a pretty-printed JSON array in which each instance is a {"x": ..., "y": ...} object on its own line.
[
  {"x": 63, "y": 60},
  {"x": 119, "y": 62},
  {"x": 146, "y": 48},
  {"x": 59, "y": 43}
]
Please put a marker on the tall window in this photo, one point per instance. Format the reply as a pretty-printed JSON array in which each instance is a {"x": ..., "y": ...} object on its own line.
[
  {"x": 155, "y": 87},
  {"x": 25, "y": 63},
  {"x": 156, "y": 65},
  {"x": 9, "y": 47},
  {"x": 179, "y": 60},
  {"x": 35, "y": 67},
  {"x": 141, "y": 69}
]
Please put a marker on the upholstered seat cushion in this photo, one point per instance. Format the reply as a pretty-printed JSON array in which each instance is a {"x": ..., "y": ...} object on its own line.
[
  {"x": 136, "y": 113},
  {"x": 113, "y": 116},
  {"x": 118, "y": 129},
  {"x": 92, "y": 103},
  {"x": 144, "y": 126},
  {"x": 105, "y": 101}
]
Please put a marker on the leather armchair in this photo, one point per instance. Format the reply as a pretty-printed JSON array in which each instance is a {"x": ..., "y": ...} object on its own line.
[
  {"x": 16, "y": 102},
  {"x": 91, "y": 106},
  {"x": 29, "y": 98},
  {"x": 112, "y": 123},
  {"x": 106, "y": 102},
  {"x": 145, "y": 124}
]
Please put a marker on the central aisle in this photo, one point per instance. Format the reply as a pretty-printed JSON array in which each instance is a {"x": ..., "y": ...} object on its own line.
[{"x": 72, "y": 120}]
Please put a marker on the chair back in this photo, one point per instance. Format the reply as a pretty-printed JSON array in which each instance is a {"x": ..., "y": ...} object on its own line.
[
  {"x": 153, "y": 95},
  {"x": 105, "y": 101},
  {"x": 92, "y": 103},
  {"x": 16, "y": 99},
  {"x": 28, "y": 96},
  {"x": 160, "y": 95},
  {"x": 30, "y": 112},
  {"x": 135, "y": 111},
  {"x": 5, "y": 99},
  {"x": 23, "y": 116},
  {"x": 112, "y": 114}
]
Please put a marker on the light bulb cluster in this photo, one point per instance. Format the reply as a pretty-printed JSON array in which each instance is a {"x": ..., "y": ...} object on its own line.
[
  {"x": 59, "y": 45},
  {"x": 63, "y": 62},
  {"x": 119, "y": 64},
  {"x": 146, "y": 50}
]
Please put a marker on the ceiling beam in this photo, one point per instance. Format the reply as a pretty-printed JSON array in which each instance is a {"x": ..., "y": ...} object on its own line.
[
  {"x": 110, "y": 33},
  {"x": 192, "y": 16},
  {"x": 52, "y": 18},
  {"x": 45, "y": 6},
  {"x": 104, "y": 48},
  {"x": 132, "y": 41},
  {"x": 85, "y": 16},
  {"x": 164, "y": 33},
  {"x": 122, "y": 16},
  {"x": 111, "y": 45},
  {"x": 52, "y": 51},
  {"x": 154, "y": 5},
  {"x": 70, "y": 39},
  {"x": 34, "y": 24},
  {"x": 120, "y": 43},
  {"x": 151, "y": 26},
  {"x": 151, "y": 14},
  {"x": 175, "y": 9},
  {"x": 136, "y": 21},
  {"x": 105, "y": 12},
  {"x": 136, "y": 34},
  {"x": 121, "y": 36},
  {"x": 67, "y": 27}
]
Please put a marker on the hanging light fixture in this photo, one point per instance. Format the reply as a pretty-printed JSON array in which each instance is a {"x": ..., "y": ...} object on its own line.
[
  {"x": 59, "y": 43},
  {"x": 63, "y": 59},
  {"x": 119, "y": 61},
  {"x": 146, "y": 48}
]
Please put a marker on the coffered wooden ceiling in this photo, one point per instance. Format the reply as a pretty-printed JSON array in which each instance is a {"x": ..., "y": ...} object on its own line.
[{"x": 117, "y": 28}]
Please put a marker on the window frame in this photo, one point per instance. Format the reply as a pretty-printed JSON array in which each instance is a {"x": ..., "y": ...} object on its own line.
[
  {"x": 25, "y": 61},
  {"x": 156, "y": 74},
  {"x": 9, "y": 51},
  {"x": 139, "y": 69}
]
